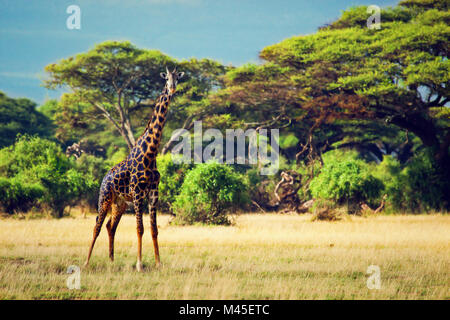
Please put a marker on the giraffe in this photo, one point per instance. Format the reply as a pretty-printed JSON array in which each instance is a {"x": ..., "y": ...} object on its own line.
[{"x": 136, "y": 177}]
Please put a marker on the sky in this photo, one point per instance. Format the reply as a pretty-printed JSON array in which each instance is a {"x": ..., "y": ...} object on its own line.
[{"x": 33, "y": 33}]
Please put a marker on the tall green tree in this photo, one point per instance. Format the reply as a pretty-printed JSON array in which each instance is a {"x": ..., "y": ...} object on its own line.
[
  {"x": 395, "y": 77},
  {"x": 21, "y": 116},
  {"x": 114, "y": 79},
  {"x": 398, "y": 75},
  {"x": 119, "y": 82}
]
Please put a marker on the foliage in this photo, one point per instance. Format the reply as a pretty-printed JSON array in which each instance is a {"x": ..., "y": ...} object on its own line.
[
  {"x": 36, "y": 168},
  {"x": 191, "y": 102},
  {"x": 112, "y": 80},
  {"x": 356, "y": 87},
  {"x": 390, "y": 172},
  {"x": 21, "y": 116},
  {"x": 208, "y": 192},
  {"x": 75, "y": 123},
  {"x": 390, "y": 74},
  {"x": 421, "y": 5},
  {"x": 415, "y": 187},
  {"x": 357, "y": 16},
  {"x": 260, "y": 188},
  {"x": 173, "y": 175},
  {"x": 345, "y": 179},
  {"x": 18, "y": 195},
  {"x": 346, "y": 87},
  {"x": 94, "y": 169},
  {"x": 114, "y": 88},
  {"x": 425, "y": 188}
]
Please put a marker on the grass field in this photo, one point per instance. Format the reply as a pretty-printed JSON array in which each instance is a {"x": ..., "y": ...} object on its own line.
[{"x": 261, "y": 257}]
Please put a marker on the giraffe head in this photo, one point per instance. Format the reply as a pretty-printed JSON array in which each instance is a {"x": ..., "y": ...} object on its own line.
[{"x": 171, "y": 79}]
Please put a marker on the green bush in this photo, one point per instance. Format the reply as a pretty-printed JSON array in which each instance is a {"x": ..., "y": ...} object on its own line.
[
  {"x": 389, "y": 171},
  {"x": 82, "y": 186},
  {"x": 19, "y": 196},
  {"x": 259, "y": 187},
  {"x": 346, "y": 179},
  {"x": 172, "y": 177},
  {"x": 425, "y": 188},
  {"x": 37, "y": 168},
  {"x": 416, "y": 187},
  {"x": 94, "y": 168},
  {"x": 208, "y": 192}
]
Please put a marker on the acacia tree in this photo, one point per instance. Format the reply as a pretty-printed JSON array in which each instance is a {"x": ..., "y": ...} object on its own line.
[
  {"x": 395, "y": 77},
  {"x": 119, "y": 82},
  {"x": 266, "y": 96},
  {"x": 115, "y": 79},
  {"x": 192, "y": 100}
]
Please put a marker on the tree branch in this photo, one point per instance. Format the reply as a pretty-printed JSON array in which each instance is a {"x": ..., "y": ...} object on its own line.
[{"x": 187, "y": 125}]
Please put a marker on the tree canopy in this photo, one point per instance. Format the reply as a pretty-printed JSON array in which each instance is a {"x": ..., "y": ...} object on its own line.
[
  {"x": 349, "y": 75},
  {"x": 21, "y": 116},
  {"x": 118, "y": 81},
  {"x": 112, "y": 80}
]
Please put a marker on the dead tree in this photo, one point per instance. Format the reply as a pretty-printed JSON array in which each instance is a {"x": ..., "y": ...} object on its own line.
[
  {"x": 366, "y": 209},
  {"x": 286, "y": 191},
  {"x": 74, "y": 150}
]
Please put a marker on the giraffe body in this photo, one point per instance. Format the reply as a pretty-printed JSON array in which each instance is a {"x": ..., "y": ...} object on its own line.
[{"x": 136, "y": 178}]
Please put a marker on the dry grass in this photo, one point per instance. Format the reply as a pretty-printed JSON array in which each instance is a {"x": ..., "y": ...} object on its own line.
[{"x": 261, "y": 257}]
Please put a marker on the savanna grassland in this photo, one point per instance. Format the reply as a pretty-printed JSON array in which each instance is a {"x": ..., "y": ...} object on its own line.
[{"x": 260, "y": 257}]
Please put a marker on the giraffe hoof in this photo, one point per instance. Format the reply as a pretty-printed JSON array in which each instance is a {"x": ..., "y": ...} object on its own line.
[{"x": 139, "y": 266}]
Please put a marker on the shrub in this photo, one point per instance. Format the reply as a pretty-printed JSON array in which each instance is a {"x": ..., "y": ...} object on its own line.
[
  {"x": 94, "y": 168},
  {"x": 415, "y": 187},
  {"x": 17, "y": 195},
  {"x": 260, "y": 188},
  {"x": 83, "y": 186},
  {"x": 172, "y": 177},
  {"x": 208, "y": 192},
  {"x": 116, "y": 156},
  {"x": 425, "y": 188},
  {"x": 21, "y": 116},
  {"x": 346, "y": 179},
  {"x": 37, "y": 169}
]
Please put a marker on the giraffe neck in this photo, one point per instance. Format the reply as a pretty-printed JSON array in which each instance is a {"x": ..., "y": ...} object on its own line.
[{"x": 156, "y": 123}]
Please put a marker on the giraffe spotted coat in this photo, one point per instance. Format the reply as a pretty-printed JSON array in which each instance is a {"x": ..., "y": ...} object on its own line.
[{"x": 136, "y": 178}]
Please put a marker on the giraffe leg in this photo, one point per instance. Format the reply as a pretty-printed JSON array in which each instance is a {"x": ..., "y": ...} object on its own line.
[
  {"x": 103, "y": 210},
  {"x": 153, "y": 200},
  {"x": 117, "y": 209},
  {"x": 140, "y": 231}
]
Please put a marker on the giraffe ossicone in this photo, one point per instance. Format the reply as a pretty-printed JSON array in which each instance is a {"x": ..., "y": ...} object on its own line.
[{"x": 136, "y": 178}]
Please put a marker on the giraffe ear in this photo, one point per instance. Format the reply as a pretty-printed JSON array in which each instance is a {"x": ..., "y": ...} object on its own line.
[
  {"x": 163, "y": 75},
  {"x": 180, "y": 75}
]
